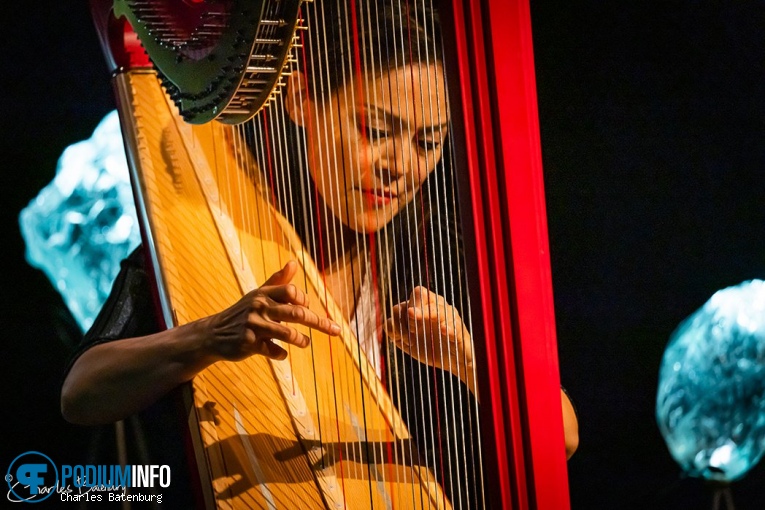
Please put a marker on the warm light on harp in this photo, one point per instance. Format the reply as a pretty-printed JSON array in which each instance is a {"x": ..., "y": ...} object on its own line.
[{"x": 394, "y": 156}]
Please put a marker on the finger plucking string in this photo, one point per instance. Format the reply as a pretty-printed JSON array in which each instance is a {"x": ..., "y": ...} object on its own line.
[
  {"x": 267, "y": 330},
  {"x": 301, "y": 315}
]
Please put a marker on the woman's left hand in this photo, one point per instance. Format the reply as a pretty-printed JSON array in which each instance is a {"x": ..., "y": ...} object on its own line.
[{"x": 431, "y": 330}]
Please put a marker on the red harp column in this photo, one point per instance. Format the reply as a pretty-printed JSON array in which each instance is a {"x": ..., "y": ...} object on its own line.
[{"x": 496, "y": 103}]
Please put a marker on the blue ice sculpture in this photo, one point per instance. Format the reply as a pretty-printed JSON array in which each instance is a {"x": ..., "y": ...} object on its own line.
[
  {"x": 710, "y": 405},
  {"x": 82, "y": 224}
]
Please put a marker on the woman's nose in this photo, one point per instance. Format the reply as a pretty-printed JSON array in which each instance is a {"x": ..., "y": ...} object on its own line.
[{"x": 391, "y": 161}]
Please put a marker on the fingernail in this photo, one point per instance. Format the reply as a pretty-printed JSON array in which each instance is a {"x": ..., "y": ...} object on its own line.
[{"x": 334, "y": 329}]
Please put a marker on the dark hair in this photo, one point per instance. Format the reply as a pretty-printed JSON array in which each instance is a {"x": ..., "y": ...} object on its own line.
[{"x": 386, "y": 35}]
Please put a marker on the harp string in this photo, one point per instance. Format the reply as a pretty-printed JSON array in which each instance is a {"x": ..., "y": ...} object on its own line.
[
  {"x": 307, "y": 216},
  {"x": 450, "y": 270},
  {"x": 248, "y": 166},
  {"x": 278, "y": 128},
  {"x": 389, "y": 236},
  {"x": 327, "y": 228},
  {"x": 371, "y": 63},
  {"x": 456, "y": 297},
  {"x": 240, "y": 216},
  {"x": 431, "y": 350},
  {"x": 312, "y": 217},
  {"x": 350, "y": 154},
  {"x": 444, "y": 286},
  {"x": 419, "y": 378},
  {"x": 357, "y": 251},
  {"x": 399, "y": 156},
  {"x": 406, "y": 385},
  {"x": 423, "y": 249},
  {"x": 363, "y": 152},
  {"x": 376, "y": 289},
  {"x": 282, "y": 140},
  {"x": 391, "y": 233},
  {"x": 257, "y": 169}
]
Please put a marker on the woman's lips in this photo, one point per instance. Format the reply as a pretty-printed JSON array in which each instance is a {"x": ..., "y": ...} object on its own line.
[{"x": 377, "y": 197}]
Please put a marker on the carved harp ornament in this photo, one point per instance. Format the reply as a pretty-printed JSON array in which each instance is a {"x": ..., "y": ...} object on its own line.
[{"x": 200, "y": 86}]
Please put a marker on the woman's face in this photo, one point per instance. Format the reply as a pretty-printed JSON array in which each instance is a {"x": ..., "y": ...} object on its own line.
[{"x": 373, "y": 142}]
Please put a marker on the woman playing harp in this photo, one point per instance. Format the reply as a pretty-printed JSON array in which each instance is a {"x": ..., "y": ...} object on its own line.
[{"x": 366, "y": 185}]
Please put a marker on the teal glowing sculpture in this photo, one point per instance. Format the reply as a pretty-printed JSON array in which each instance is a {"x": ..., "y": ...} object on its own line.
[
  {"x": 710, "y": 405},
  {"x": 80, "y": 226}
]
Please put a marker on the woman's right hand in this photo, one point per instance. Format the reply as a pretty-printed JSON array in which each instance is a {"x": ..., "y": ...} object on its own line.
[{"x": 263, "y": 315}]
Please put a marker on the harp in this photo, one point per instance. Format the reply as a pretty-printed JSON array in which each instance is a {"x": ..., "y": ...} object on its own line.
[{"x": 205, "y": 90}]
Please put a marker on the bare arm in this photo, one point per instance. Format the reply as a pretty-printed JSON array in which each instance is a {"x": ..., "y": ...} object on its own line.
[{"x": 115, "y": 379}]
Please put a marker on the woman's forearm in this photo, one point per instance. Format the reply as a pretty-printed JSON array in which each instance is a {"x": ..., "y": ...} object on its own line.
[
  {"x": 115, "y": 379},
  {"x": 112, "y": 380}
]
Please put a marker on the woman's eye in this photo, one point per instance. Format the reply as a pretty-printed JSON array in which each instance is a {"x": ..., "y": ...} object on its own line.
[
  {"x": 428, "y": 145},
  {"x": 375, "y": 134}
]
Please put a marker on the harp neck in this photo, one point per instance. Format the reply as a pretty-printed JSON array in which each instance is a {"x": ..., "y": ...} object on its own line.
[{"x": 120, "y": 44}]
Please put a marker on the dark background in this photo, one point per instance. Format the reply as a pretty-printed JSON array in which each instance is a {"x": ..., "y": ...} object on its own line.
[{"x": 652, "y": 121}]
